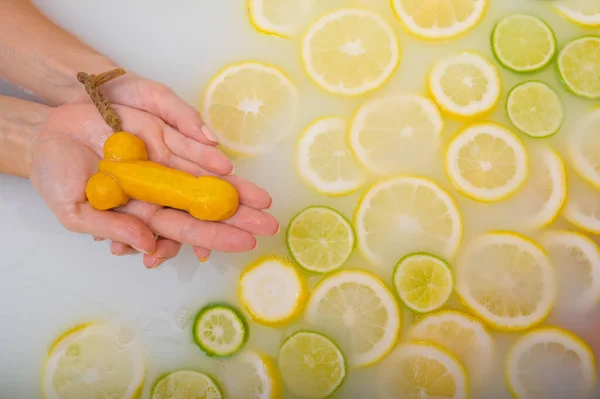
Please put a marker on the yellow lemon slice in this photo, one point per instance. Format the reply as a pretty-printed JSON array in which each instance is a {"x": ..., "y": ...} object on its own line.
[
  {"x": 250, "y": 375},
  {"x": 584, "y": 147},
  {"x": 581, "y": 12},
  {"x": 278, "y": 17},
  {"x": 583, "y": 207}
]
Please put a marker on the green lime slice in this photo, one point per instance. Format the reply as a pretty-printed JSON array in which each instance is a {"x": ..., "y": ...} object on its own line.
[
  {"x": 311, "y": 365},
  {"x": 184, "y": 384},
  {"x": 535, "y": 109},
  {"x": 320, "y": 239},
  {"x": 220, "y": 330},
  {"x": 423, "y": 282},
  {"x": 579, "y": 66},
  {"x": 523, "y": 43}
]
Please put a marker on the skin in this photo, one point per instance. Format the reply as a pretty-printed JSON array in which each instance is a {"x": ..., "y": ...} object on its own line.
[{"x": 58, "y": 145}]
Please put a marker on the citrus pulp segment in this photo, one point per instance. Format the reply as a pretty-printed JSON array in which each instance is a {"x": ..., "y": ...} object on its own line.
[
  {"x": 402, "y": 215},
  {"x": 487, "y": 162},
  {"x": 515, "y": 289},
  {"x": 359, "y": 312},
  {"x": 350, "y": 51},
  {"x": 423, "y": 282},
  {"x": 220, "y": 330},
  {"x": 251, "y": 375},
  {"x": 579, "y": 66},
  {"x": 465, "y": 84},
  {"x": 324, "y": 160},
  {"x": 250, "y": 106},
  {"x": 535, "y": 109},
  {"x": 311, "y": 364},
  {"x": 393, "y": 132},
  {"x": 277, "y": 17},
  {"x": 182, "y": 383},
  {"x": 584, "y": 147},
  {"x": 550, "y": 363},
  {"x": 320, "y": 239},
  {"x": 581, "y": 12}
]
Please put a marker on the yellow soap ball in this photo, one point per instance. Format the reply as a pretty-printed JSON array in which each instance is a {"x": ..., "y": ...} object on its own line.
[
  {"x": 103, "y": 192},
  {"x": 124, "y": 146}
]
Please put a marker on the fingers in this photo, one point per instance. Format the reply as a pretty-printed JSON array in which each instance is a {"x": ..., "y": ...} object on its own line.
[
  {"x": 165, "y": 249},
  {"x": 254, "y": 221},
  {"x": 120, "y": 249},
  {"x": 203, "y": 254}
]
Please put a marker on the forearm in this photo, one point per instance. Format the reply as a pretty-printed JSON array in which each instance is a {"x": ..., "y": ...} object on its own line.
[
  {"x": 38, "y": 55},
  {"x": 20, "y": 122}
]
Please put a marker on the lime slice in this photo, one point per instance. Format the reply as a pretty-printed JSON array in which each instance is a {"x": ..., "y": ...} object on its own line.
[
  {"x": 523, "y": 43},
  {"x": 320, "y": 239},
  {"x": 579, "y": 66},
  {"x": 184, "y": 384},
  {"x": 311, "y": 365},
  {"x": 220, "y": 330},
  {"x": 278, "y": 17},
  {"x": 423, "y": 282},
  {"x": 535, "y": 109}
]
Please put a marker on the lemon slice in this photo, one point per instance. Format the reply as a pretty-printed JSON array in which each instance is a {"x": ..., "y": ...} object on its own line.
[
  {"x": 359, "y": 312},
  {"x": 423, "y": 282},
  {"x": 581, "y": 12},
  {"x": 94, "y": 360},
  {"x": 278, "y": 17},
  {"x": 272, "y": 291},
  {"x": 311, "y": 365},
  {"x": 350, "y": 51},
  {"x": 251, "y": 375},
  {"x": 424, "y": 370},
  {"x": 462, "y": 335},
  {"x": 583, "y": 208},
  {"x": 535, "y": 109},
  {"x": 439, "y": 19},
  {"x": 577, "y": 258},
  {"x": 399, "y": 216},
  {"x": 487, "y": 162},
  {"x": 584, "y": 147},
  {"x": 517, "y": 287},
  {"x": 320, "y": 239},
  {"x": 250, "y": 106},
  {"x": 579, "y": 66},
  {"x": 182, "y": 383},
  {"x": 550, "y": 363},
  {"x": 465, "y": 84},
  {"x": 392, "y": 133},
  {"x": 324, "y": 160},
  {"x": 220, "y": 330}
]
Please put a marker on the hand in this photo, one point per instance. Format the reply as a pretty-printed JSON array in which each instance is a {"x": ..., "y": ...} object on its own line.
[{"x": 66, "y": 153}]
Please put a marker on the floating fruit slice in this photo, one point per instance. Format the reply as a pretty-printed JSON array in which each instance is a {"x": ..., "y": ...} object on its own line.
[
  {"x": 584, "y": 147},
  {"x": 220, "y": 330},
  {"x": 95, "y": 358},
  {"x": 272, "y": 291},
  {"x": 581, "y": 12},
  {"x": 535, "y": 109},
  {"x": 523, "y": 43},
  {"x": 465, "y": 84},
  {"x": 358, "y": 311},
  {"x": 487, "y": 162},
  {"x": 439, "y": 19},
  {"x": 550, "y": 363},
  {"x": 311, "y": 365},
  {"x": 324, "y": 160},
  {"x": 579, "y": 66},
  {"x": 517, "y": 287},
  {"x": 423, "y": 282},
  {"x": 350, "y": 51},
  {"x": 390, "y": 133},
  {"x": 399, "y": 216},
  {"x": 251, "y": 375},
  {"x": 278, "y": 17},
  {"x": 250, "y": 106},
  {"x": 320, "y": 239},
  {"x": 182, "y": 384}
]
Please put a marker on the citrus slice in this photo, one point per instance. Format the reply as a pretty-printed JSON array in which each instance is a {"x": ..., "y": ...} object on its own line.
[
  {"x": 325, "y": 162},
  {"x": 390, "y": 133},
  {"x": 94, "y": 360},
  {"x": 359, "y": 312},
  {"x": 277, "y": 17},
  {"x": 250, "y": 375},
  {"x": 423, "y": 370},
  {"x": 311, "y": 364},
  {"x": 183, "y": 383},
  {"x": 465, "y": 84},
  {"x": 577, "y": 258},
  {"x": 583, "y": 208},
  {"x": 517, "y": 287},
  {"x": 487, "y": 162},
  {"x": 581, "y": 12},
  {"x": 350, "y": 51},
  {"x": 250, "y": 106},
  {"x": 535, "y": 109},
  {"x": 320, "y": 239},
  {"x": 423, "y": 282},
  {"x": 584, "y": 147},
  {"x": 579, "y": 66},
  {"x": 272, "y": 291},
  {"x": 399, "y": 216},
  {"x": 220, "y": 330},
  {"x": 523, "y": 43},
  {"x": 462, "y": 335},
  {"x": 439, "y": 19},
  {"x": 550, "y": 363}
]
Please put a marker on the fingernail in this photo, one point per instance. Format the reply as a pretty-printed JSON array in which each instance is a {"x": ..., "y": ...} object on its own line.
[
  {"x": 144, "y": 251},
  {"x": 232, "y": 171},
  {"x": 203, "y": 259},
  {"x": 126, "y": 251},
  {"x": 157, "y": 262},
  {"x": 270, "y": 204},
  {"x": 98, "y": 238},
  {"x": 209, "y": 134},
  {"x": 255, "y": 245},
  {"x": 278, "y": 229}
]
